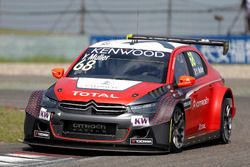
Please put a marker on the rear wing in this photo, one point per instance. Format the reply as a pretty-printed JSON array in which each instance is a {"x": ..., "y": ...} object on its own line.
[{"x": 195, "y": 41}]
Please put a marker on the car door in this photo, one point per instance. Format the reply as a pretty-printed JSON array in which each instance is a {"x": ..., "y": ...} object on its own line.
[{"x": 200, "y": 95}]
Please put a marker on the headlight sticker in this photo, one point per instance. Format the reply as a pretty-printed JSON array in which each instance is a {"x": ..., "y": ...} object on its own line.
[
  {"x": 139, "y": 120},
  {"x": 144, "y": 109},
  {"x": 44, "y": 115}
]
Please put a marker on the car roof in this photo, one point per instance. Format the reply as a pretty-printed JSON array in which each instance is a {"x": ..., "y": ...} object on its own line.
[{"x": 141, "y": 44}]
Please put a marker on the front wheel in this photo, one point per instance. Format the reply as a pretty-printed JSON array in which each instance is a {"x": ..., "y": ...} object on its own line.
[
  {"x": 177, "y": 130},
  {"x": 226, "y": 121}
]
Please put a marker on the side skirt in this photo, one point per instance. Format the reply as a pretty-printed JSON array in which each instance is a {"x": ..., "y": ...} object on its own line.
[{"x": 202, "y": 138}]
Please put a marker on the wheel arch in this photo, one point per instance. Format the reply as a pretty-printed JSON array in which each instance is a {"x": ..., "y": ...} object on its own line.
[
  {"x": 172, "y": 147},
  {"x": 229, "y": 94},
  {"x": 214, "y": 119},
  {"x": 181, "y": 106},
  {"x": 33, "y": 106}
]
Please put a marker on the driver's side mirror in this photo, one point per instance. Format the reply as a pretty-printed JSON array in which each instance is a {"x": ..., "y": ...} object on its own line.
[
  {"x": 57, "y": 72},
  {"x": 185, "y": 81}
]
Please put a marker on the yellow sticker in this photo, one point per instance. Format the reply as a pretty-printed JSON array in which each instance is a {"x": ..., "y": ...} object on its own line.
[{"x": 191, "y": 58}]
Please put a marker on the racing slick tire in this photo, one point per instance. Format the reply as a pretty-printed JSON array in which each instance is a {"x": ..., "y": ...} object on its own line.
[
  {"x": 226, "y": 121},
  {"x": 177, "y": 130}
]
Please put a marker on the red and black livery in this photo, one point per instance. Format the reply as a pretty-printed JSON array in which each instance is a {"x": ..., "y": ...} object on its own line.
[{"x": 142, "y": 94}]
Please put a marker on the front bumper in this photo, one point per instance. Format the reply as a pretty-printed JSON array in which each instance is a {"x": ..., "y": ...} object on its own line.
[{"x": 53, "y": 134}]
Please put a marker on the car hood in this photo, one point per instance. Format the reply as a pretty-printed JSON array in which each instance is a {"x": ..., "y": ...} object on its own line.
[{"x": 102, "y": 90}]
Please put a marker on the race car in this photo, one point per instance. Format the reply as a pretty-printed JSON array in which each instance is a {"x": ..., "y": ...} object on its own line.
[{"x": 140, "y": 94}]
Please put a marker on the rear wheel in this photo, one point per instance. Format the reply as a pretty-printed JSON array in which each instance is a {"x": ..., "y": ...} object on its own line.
[
  {"x": 177, "y": 130},
  {"x": 226, "y": 121}
]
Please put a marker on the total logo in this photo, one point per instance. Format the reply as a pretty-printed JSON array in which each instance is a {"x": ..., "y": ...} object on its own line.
[
  {"x": 203, "y": 102},
  {"x": 94, "y": 94}
]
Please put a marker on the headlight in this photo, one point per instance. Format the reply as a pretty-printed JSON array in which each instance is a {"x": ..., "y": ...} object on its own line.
[
  {"x": 47, "y": 102},
  {"x": 144, "y": 109}
]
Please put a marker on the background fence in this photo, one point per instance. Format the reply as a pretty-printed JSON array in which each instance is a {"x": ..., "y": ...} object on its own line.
[
  {"x": 18, "y": 47},
  {"x": 119, "y": 17},
  {"x": 61, "y": 28}
]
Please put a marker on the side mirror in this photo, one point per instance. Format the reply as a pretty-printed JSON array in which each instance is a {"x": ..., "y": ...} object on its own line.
[
  {"x": 185, "y": 81},
  {"x": 57, "y": 72}
]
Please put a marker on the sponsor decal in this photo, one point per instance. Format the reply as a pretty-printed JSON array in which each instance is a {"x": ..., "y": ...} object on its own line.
[
  {"x": 93, "y": 94},
  {"x": 141, "y": 141},
  {"x": 203, "y": 102},
  {"x": 41, "y": 134},
  {"x": 105, "y": 84},
  {"x": 187, "y": 103},
  {"x": 198, "y": 70},
  {"x": 202, "y": 126},
  {"x": 127, "y": 52},
  {"x": 139, "y": 121},
  {"x": 44, "y": 115},
  {"x": 105, "y": 43},
  {"x": 191, "y": 58},
  {"x": 96, "y": 57},
  {"x": 89, "y": 126}
]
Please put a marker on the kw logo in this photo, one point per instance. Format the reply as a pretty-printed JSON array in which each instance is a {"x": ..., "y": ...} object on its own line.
[
  {"x": 139, "y": 121},
  {"x": 43, "y": 114}
]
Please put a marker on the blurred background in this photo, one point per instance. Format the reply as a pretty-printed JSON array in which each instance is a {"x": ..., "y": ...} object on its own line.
[
  {"x": 33, "y": 30},
  {"x": 117, "y": 17}
]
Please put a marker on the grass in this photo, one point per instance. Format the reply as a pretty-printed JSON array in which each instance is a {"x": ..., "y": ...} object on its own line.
[
  {"x": 36, "y": 59},
  {"x": 11, "y": 125}
]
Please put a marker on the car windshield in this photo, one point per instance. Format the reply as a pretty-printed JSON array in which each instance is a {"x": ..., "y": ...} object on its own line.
[{"x": 136, "y": 66}]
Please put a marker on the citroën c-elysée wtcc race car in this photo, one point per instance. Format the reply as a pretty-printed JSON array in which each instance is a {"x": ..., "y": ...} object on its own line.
[{"x": 140, "y": 94}]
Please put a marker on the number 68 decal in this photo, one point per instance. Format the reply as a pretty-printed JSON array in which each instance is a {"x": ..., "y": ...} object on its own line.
[{"x": 84, "y": 67}]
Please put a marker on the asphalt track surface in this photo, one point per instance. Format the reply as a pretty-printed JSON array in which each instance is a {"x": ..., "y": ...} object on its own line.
[{"x": 236, "y": 153}]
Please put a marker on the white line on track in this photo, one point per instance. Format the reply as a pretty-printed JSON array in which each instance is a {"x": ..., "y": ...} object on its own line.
[
  {"x": 6, "y": 164},
  {"x": 11, "y": 159},
  {"x": 29, "y": 159},
  {"x": 30, "y": 156}
]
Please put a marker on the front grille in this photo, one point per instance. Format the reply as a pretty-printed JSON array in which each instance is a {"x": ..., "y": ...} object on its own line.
[{"x": 93, "y": 108}]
